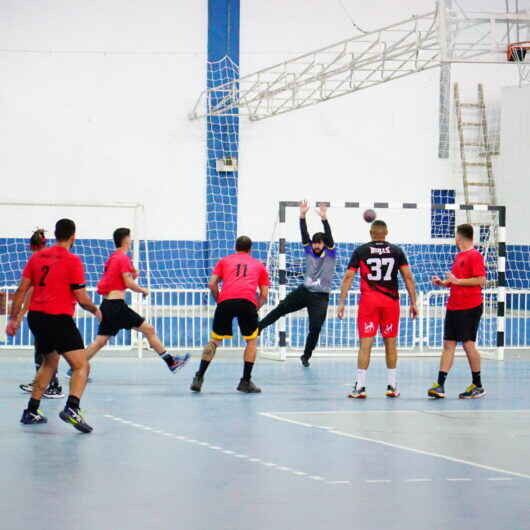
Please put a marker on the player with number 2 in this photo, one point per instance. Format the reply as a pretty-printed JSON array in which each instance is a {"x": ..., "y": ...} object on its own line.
[{"x": 378, "y": 262}]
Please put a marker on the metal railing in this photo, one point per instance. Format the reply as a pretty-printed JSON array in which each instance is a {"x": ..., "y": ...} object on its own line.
[{"x": 183, "y": 318}]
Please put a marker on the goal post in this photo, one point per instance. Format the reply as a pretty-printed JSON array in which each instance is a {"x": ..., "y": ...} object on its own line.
[
  {"x": 95, "y": 224},
  {"x": 426, "y": 233}
]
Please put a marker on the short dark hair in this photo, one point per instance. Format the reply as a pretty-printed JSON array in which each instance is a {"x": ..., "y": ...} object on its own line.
[
  {"x": 465, "y": 231},
  {"x": 378, "y": 223},
  {"x": 119, "y": 235},
  {"x": 37, "y": 239},
  {"x": 243, "y": 244},
  {"x": 64, "y": 229},
  {"x": 318, "y": 237}
]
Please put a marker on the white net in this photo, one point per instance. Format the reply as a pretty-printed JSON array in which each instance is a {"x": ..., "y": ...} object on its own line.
[
  {"x": 427, "y": 238},
  {"x": 95, "y": 225}
]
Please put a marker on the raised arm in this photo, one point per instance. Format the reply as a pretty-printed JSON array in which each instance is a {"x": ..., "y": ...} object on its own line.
[
  {"x": 323, "y": 212},
  {"x": 410, "y": 285},
  {"x": 304, "y": 208}
]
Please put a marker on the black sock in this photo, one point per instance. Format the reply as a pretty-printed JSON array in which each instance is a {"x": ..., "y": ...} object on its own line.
[
  {"x": 33, "y": 405},
  {"x": 476, "y": 379},
  {"x": 165, "y": 356},
  {"x": 247, "y": 371},
  {"x": 203, "y": 367},
  {"x": 441, "y": 377},
  {"x": 72, "y": 403}
]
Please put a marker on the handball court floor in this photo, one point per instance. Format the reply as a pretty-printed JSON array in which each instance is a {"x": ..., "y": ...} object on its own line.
[{"x": 300, "y": 455}]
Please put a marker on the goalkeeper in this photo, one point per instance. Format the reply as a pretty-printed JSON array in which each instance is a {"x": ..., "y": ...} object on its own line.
[{"x": 320, "y": 264}]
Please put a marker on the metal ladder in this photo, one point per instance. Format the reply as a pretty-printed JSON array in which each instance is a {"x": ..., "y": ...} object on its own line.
[
  {"x": 477, "y": 169},
  {"x": 475, "y": 152}
]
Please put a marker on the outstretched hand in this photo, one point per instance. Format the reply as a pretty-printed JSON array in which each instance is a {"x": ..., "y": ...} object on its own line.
[{"x": 304, "y": 208}]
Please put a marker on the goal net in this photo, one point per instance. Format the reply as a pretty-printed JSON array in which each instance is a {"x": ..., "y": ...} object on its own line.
[
  {"x": 95, "y": 224},
  {"x": 426, "y": 233}
]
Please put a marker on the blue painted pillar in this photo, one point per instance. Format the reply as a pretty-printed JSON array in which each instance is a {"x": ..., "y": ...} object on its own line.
[{"x": 222, "y": 131}]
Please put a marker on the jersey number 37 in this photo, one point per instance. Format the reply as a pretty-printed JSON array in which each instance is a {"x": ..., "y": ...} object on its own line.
[{"x": 380, "y": 269}]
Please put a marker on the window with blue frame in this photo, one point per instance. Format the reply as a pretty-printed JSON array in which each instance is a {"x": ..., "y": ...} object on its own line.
[{"x": 442, "y": 221}]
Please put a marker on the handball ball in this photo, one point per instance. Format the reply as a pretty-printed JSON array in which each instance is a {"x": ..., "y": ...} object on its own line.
[{"x": 369, "y": 216}]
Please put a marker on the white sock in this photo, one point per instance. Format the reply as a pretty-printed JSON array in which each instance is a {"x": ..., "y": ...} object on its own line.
[
  {"x": 392, "y": 377},
  {"x": 361, "y": 378}
]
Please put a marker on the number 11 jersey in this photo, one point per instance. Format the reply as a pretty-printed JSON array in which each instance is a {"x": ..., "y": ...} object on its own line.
[
  {"x": 241, "y": 275},
  {"x": 379, "y": 263}
]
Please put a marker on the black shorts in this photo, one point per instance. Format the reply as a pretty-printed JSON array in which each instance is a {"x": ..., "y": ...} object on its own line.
[
  {"x": 54, "y": 333},
  {"x": 462, "y": 325},
  {"x": 117, "y": 315},
  {"x": 245, "y": 312}
]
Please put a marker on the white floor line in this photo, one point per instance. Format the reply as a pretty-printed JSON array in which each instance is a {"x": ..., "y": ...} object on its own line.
[
  {"x": 441, "y": 411},
  {"x": 379, "y": 481},
  {"x": 403, "y": 447},
  {"x": 500, "y": 478},
  {"x": 418, "y": 480},
  {"x": 458, "y": 479},
  {"x": 233, "y": 454}
]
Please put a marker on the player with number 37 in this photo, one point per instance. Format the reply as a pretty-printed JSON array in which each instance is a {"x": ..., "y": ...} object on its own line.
[{"x": 379, "y": 263}]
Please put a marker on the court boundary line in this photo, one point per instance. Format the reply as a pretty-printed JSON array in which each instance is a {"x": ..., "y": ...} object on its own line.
[{"x": 393, "y": 445}]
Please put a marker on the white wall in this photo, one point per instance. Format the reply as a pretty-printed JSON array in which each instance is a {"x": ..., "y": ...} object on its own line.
[
  {"x": 377, "y": 144},
  {"x": 93, "y": 106}
]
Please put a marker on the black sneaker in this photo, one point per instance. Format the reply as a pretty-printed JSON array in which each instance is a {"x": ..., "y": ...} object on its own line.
[
  {"x": 196, "y": 384},
  {"x": 53, "y": 392},
  {"x": 75, "y": 418},
  {"x": 248, "y": 387},
  {"x": 305, "y": 361},
  {"x": 30, "y": 418},
  {"x": 26, "y": 388}
]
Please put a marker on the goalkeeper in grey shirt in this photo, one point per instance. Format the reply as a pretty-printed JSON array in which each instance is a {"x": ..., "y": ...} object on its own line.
[{"x": 320, "y": 263}]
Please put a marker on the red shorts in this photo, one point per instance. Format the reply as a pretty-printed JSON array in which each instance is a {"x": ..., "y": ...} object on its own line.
[{"x": 375, "y": 313}]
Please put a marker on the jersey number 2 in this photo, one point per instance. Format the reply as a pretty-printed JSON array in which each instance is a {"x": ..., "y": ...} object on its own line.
[
  {"x": 376, "y": 269},
  {"x": 45, "y": 270}
]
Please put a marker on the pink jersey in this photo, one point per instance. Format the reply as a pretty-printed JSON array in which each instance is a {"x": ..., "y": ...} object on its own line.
[{"x": 241, "y": 275}]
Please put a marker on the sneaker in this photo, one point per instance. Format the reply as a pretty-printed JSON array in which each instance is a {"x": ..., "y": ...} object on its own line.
[
  {"x": 436, "y": 391},
  {"x": 358, "y": 393},
  {"x": 69, "y": 374},
  {"x": 75, "y": 418},
  {"x": 472, "y": 392},
  {"x": 30, "y": 418},
  {"x": 196, "y": 384},
  {"x": 53, "y": 392},
  {"x": 26, "y": 388},
  {"x": 178, "y": 362},
  {"x": 392, "y": 391},
  {"x": 305, "y": 361},
  {"x": 248, "y": 387}
]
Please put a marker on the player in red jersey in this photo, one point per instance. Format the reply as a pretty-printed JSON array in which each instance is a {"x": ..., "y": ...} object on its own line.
[
  {"x": 379, "y": 263},
  {"x": 464, "y": 310},
  {"x": 241, "y": 275},
  {"x": 54, "y": 391},
  {"x": 58, "y": 282},
  {"x": 119, "y": 276}
]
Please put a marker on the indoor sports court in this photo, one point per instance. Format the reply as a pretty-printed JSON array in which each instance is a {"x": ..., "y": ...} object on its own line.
[{"x": 331, "y": 184}]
